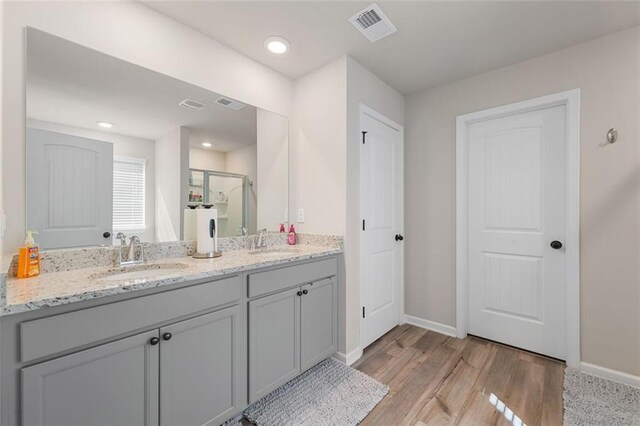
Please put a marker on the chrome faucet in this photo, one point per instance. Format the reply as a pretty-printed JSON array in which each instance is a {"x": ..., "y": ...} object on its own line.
[
  {"x": 131, "y": 255},
  {"x": 123, "y": 238}
]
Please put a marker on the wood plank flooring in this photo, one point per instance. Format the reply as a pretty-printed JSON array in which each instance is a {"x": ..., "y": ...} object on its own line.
[{"x": 440, "y": 380}]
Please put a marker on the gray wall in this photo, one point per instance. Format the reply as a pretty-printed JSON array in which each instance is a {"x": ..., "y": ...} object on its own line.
[{"x": 606, "y": 70}]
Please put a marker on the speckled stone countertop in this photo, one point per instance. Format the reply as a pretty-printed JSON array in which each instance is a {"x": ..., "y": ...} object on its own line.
[{"x": 64, "y": 287}]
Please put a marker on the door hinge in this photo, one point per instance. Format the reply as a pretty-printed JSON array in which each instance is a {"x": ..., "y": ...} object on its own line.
[
  {"x": 363, "y": 313},
  {"x": 364, "y": 226},
  {"x": 363, "y": 136}
]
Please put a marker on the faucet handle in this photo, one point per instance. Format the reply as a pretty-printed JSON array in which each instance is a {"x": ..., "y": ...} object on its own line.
[{"x": 123, "y": 238}]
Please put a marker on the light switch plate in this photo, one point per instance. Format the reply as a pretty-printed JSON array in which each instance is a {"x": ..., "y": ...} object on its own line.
[{"x": 300, "y": 215}]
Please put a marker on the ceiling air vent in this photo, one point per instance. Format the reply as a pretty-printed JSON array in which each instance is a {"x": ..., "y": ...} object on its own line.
[
  {"x": 373, "y": 23},
  {"x": 190, "y": 103},
  {"x": 230, "y": 103}
]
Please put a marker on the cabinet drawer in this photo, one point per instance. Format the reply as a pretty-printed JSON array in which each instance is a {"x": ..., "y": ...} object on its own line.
[
  {"x": 48, "y": 336},
  {"x": 270, "y": 281}
]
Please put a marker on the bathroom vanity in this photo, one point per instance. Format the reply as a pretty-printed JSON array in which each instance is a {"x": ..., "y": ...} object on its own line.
[
  {"x": 175, "y": 341},
  {"x": 193, "y": 347}
]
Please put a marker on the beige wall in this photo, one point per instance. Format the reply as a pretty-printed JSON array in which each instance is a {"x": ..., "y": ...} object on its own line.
[
  {"x": 207, "y": 159},
  {"x": 272, "y": 181},
  {"x": 326, "y": 164},
  {"x": 133, "y": 32},
  {"x": 606, "y": 70},
  {"x": 172, "y": 183},
  {"x": 318, "y": 153},
  {"x": 244, "y": 161}
]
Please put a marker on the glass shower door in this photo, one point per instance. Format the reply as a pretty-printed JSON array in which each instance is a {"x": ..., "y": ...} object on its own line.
[{"x": 228, "y": 194}]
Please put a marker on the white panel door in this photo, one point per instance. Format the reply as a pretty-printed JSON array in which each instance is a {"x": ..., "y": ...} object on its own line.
[
  {"x": 516, "y": 221},
  {"x": 381, "y": 173},
  {"x": 69, "y": 189}
]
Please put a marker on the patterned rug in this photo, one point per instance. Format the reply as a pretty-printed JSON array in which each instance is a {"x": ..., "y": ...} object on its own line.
[
  {"x": 330, "y": 393},
  {"x": 591, "y": 400}
]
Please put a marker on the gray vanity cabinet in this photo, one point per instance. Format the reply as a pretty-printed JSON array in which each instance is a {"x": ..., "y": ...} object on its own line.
[
  {"x": 289, "y": 332},
  {"x": 200, "y": 369},
  {"x": 115, "y": 384},
  {"x": 319, "y": 322},
  {"x": 274, "y": 342}
]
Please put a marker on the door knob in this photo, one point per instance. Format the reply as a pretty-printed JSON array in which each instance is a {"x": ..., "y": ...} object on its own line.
[
  {"x": 106, "y": 234},
  {"x": 399, "y": 237},
  {"x": 154, "y": 341},
  {"x": 167, "y": 336},
  {"x": 557, "y": 245},
  {"x": 299, "y": 293},
  {"x": 305, "y": 291}
]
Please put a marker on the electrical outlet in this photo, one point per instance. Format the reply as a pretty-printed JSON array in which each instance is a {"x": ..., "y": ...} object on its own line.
[
  {"x": 286, "y": 215},
  {"x": 300, "y": 215}
]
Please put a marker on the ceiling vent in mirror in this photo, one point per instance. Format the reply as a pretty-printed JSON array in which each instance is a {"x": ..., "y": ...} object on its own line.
[
  {"x": 373, "y": 23},
  {"x": 190, "y": 103},
  {"x": 230, "y": 103}
]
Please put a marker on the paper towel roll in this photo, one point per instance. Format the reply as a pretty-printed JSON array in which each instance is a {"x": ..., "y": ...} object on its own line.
[
  {"x": 207, "y": 235},
  {"x": 190, "y": 227}
]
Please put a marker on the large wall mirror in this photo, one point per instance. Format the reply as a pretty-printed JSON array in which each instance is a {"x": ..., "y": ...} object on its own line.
[{"x": 113, "y": 147}]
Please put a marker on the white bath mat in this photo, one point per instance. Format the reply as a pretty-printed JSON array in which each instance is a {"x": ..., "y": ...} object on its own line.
[
  {"x": 330, "y": 393},
  {"x": 591, "y": 400}
]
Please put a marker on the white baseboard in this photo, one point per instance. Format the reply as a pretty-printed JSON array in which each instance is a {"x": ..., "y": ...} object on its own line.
[
  {"x": 431, "y": 325},
  {"x": 607, "y": 373},
  {"x": 349, "y": 358}
]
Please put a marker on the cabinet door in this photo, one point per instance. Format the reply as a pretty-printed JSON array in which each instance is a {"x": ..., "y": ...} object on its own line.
[
  {"x": 113, "y": 384},
  {"x": 274, "y": 342},
  {"x": 319, "y": 321},
  {"x": 201, "y": 369}
]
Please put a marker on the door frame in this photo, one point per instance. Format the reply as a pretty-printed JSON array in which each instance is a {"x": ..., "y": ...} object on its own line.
[
  {"x": 571, "y": 100},
  {"x": 399, "y": 291}
]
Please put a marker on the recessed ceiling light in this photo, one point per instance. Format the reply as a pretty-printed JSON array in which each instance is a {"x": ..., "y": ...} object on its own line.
[
  {"x": 277, "y": 45},
  {"x": 206, "y": 144},
  {"x": 105, "y": 124}
]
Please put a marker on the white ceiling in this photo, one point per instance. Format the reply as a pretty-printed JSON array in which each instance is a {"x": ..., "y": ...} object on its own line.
[
  {"x": 76, "y": 86},
  {"x": 436, "y": 42}
]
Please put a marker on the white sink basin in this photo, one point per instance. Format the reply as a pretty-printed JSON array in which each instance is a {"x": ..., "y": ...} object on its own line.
[{"x": 141, "y": 272}]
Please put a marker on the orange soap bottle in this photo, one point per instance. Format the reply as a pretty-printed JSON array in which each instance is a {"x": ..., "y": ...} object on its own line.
[{"x": 29, "y": 258}]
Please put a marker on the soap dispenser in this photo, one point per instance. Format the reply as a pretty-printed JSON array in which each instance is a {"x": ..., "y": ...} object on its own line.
[
  {"x": 29, "y": 258},
  {"x": 292, "y": 235}
]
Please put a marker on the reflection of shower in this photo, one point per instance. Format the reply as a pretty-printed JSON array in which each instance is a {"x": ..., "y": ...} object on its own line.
[{"x": 232, "y": 205}]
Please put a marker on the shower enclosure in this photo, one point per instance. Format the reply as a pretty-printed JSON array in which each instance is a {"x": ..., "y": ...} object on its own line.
[{"x": 228, "y": 192}]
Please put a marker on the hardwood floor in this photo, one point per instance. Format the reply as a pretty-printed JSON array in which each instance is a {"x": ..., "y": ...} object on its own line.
[{"x": 440, "y": 380}]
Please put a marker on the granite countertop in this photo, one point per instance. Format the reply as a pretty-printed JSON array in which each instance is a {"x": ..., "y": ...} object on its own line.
[{"x": 61, "y": 288}]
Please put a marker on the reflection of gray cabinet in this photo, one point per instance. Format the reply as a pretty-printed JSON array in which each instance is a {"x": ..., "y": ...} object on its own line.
[
  {"x": 113, "y": 384},
  {"x": 201, "y": 369},
  {"x": 289, "y": 332}
]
